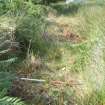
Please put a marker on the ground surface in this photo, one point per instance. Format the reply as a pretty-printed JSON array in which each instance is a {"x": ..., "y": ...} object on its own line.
[
  {"x": 81, "y": 64},
  {"x": 74, "y": 69}
]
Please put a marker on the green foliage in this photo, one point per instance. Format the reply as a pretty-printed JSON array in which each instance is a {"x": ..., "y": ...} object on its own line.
[
  {"x": 20, "y": 7},
  {"x": 95, "y": 98},
  {"x": 6, "y": 79},
  {"x": 5, "y": 84},
  {"x": 66, "y": 9},
  {"x": 29, "y": 31},
  {"x": 37, "y": 1},
  {"x": 46, "y": 2},
  {"x": 10, "y": 101},
  {"x": 3, "y": 6},
  {"x": 6, "y": 100},
  {"x": 62, "y": 95},
  {"x": 36, "y": 10},
  {"x": 14, "y": 6}
]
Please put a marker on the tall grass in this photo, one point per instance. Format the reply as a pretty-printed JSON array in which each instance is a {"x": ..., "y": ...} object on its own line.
[
  {"x": 94, "y": 68},
  {"x": 90, "y": 54}
]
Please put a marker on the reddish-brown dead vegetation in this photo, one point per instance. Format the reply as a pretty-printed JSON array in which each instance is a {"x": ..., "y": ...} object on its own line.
[{"x": 71, "y": 36}]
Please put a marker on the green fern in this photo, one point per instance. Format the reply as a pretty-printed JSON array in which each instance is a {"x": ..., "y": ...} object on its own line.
[
  {"x": 10, "y": 101},
  {"x": 9, "y": 48},
  {"x": 6, "y": 100}
]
